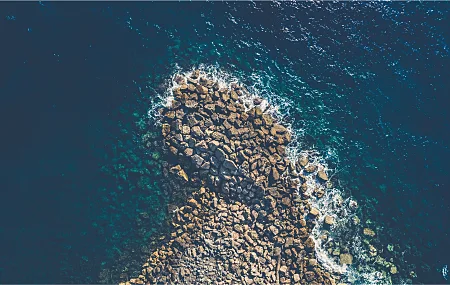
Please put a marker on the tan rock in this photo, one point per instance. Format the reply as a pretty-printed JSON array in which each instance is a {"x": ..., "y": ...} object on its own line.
[
  {"x": 345, "y": 258},
  {"x": 274, "y": 230},
  {"x": 309, "y": 243},
  {"x": 170, "y": 115},
  {"x": 195, "y": 74},
  {"x": 188, "y": 151},
  {"x": 277, "y": 130},
  {"x": 314, "y": 212},
  {"x": 191, "y": 104},
  {"x": 311, "y": 168},
  {"x": 289, "y": 242},
  {"x": 213, "y": 145},
  {"x": 312, "y": 262},
  {"x": 329, "y": 220},
  {"x": 267, "y": 120},
  {"x": 185, "y": 130},
  {"x": 274, "y": 174},
  {"x": 179, "y": 172},
  {"x": 286, "y": 201},
  {"x": 322, "y": 175},
  {"x": 165, "y": 129},
  {"x": 196, "y": 131},
  {"x": 303, "y": 161}
]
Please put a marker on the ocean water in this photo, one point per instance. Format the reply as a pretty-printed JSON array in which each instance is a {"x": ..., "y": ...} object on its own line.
[{"x": 364, "y": 86}]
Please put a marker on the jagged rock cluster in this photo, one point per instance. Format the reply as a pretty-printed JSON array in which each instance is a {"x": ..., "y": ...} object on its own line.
[{"x": 246, "y": 222}]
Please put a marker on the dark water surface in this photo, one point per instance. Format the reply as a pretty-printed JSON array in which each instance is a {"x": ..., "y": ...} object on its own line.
[{"x": 366, "y": 84}]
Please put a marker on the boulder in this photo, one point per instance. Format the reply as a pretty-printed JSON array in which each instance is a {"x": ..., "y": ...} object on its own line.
[
  {"x": 197, "y": 160},
  {"x": 170, "y": 115},
  {"x": 274, "y": 174},
  {"x": 234, "y": 95},
  {"x": 314, "y": 212},
  {"x": 188, "y": 151},
  {"x": 309, "y": 243},
  {"x": 229, "y": 165},
  {"x": 289, "y": 242},
  {"x": 202, "y": 89},
  {"x": 191, "y": 87},
  {"x": 322, "y": 175},
  {"x": 206, "y": 165},
  {"x": 192, "y": 121},
  {"x": 303, "y": 161},
  {"x": 195, "y": 74},
  {"x": 193, "y": 203},
  {"x": 310, "y": 275},
  {"x": 197, "y": 132},
  {"x": 179, "y": 114},
  {"x": 257, "y": 101},
  {"x": 185, "y": 130},
  {"x": 277, "y": 130},
  {"x": 227, "y": 149},
  {"x": 173, "y": 150},
  {"x": 179, "y": 172},
  {"x": 165, "y": 129},
  {"x": 345, "y": 258},
  {"x": 267, "y": 120},
  {"x": 368, "y": 232},
  {"x": 201, "y": 146},
  {"x": 286, "y": 201},
  {"x": 274, "y": 230},
  {"x": 225, "y": 97},
  {"x": 372, "y": 250},
  {"x": 329, "y": 220},
  {"x": 312, "y": 262},
  {"x": 213, "y": 145},
  {"x": 220, "y": 155},
  {"x": 311, "y": 168},
  {"x": 191, "y": 104}
]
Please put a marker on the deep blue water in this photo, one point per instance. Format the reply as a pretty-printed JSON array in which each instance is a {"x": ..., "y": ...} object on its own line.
[{"x": 366, "y": 84}]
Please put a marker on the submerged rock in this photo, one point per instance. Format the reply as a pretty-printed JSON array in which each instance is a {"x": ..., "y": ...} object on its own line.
[
  {"x": 368, "y": 232},
  {"x": 345, "y": 258}
]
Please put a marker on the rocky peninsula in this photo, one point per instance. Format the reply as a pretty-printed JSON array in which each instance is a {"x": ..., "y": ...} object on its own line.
[{"x": 242, "y": 214}]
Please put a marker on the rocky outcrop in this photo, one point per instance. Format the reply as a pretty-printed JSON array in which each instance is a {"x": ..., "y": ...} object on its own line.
[{"x": 245, "y": 223}]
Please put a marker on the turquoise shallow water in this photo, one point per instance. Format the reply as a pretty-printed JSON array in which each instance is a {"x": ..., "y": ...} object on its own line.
[{"x": 369, "y": 95}]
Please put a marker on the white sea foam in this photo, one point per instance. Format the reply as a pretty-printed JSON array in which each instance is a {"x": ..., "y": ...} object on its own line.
[{"x": 335, "y": 202}]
